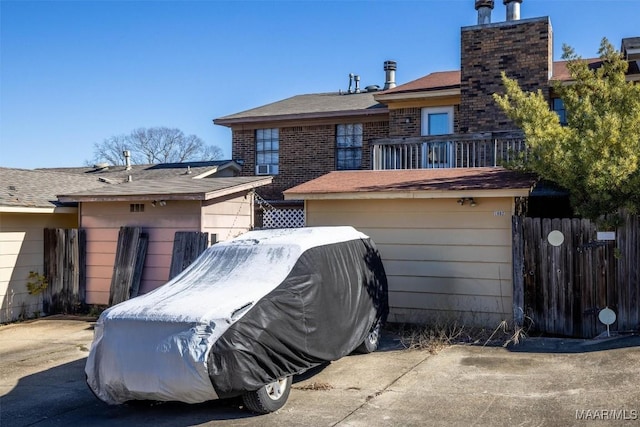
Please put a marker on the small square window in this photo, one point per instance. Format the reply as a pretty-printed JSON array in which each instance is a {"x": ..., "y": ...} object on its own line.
[{"x": 136, "y": 207}]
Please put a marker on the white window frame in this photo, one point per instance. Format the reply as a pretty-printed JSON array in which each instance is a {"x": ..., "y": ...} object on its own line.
[
  {"x": 424, "y": 128},
  {"x": 273, "y": 168},
  {"x": 442, "y": 150}
]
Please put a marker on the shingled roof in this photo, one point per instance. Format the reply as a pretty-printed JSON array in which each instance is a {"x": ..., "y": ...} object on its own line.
[
  {"x": 118, "y": 174},
  {"x": 402, "y": 183},
  {"x": 168, "y": 189},
  {"x": 39, "y": 188},
  {"x": 310, "y": 106},
  {"x": 451, "y": 79},
  {"x": 324, "y": 105},
  {"x": 22, "y": 188}
]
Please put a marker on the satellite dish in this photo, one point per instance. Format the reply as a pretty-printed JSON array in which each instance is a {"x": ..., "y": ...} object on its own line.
[{"x": 607, "y": 317}]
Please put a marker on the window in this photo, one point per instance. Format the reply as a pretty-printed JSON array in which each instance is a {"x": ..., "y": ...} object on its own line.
[
  {"x": 267, "y": 146},
  {"x": 136, "y": 207},
  {"x": 437, "y": 121},
  {"x": 349, "y": 147},
  {"x": 558, "y": 107}
]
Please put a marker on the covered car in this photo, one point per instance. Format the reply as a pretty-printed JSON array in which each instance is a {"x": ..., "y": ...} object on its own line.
[{"x": 242, "y": 319}]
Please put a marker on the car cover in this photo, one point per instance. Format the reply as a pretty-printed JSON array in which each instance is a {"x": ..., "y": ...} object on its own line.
[{"x": 267, "y": 304}]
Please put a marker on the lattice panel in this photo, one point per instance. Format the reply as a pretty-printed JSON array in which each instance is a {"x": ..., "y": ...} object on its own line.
[{"x": 283, "y": 218}]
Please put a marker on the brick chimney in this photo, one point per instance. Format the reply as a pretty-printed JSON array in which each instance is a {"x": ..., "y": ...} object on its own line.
[
  {"x": 523, "y": 49},
  {"x": 484, "y": 8}
]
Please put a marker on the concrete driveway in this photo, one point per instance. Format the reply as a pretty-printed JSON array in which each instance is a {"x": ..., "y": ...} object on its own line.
[{"x": 541, "y": 383}]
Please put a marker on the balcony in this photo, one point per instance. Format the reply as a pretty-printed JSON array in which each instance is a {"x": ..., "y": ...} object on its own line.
[{"x": 447, "y": 151}]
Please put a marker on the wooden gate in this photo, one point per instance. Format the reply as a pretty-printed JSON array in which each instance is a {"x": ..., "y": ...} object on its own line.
[
  {"x": 64, "y": 268},
  {"x": 564, "y": 276}
]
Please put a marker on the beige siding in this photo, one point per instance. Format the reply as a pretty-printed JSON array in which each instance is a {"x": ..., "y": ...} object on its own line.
[
  {"x": 228, "y": 218},
  {"x": 443, "y": 261},
  {"x": 22, "y": 251},
  {"x": 102, "y": 222}
]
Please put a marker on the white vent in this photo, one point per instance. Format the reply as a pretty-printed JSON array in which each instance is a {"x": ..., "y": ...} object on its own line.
[{"x": 263, "y": 169}]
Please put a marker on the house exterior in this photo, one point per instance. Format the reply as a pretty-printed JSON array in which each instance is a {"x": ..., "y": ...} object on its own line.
[
  {"x": 222, "y": 207},
  {"x": 162, "y": 198},
  {"x": 28, "y": 205},
  {"x": 417, "y": 165},
  {"x": 444, "y": 235},
  {"x": 444, "y": 119}
]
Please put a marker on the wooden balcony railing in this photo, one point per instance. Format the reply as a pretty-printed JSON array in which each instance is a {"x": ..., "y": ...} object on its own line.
[{"x": 447, "y": 151}]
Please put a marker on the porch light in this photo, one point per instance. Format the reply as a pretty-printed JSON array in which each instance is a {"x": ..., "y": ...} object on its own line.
[{"x": 469, "y": 200}]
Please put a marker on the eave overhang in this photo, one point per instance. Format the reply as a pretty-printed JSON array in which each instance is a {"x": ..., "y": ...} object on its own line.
[{"x": 301, "y": 116}]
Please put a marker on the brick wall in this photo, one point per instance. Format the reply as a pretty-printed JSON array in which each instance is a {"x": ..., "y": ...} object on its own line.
[
  {"x": 306, "y": 152},
  {"x": 407, "y": 122},
  {"x": 522, "y": 49},
  {"x": 404, "y": 122}
]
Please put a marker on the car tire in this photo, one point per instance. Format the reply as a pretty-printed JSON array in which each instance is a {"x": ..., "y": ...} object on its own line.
[
  {"x": 371, "y": 341},
  {"x": 268, "y": 398}
]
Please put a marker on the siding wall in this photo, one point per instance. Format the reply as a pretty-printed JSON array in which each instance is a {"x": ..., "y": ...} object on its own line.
[
  {"x": 226, "y": 218},
  {"x": 22, "y": 251},
  {"x": 443, "y": 261},
  {"x": 102, "y": 222}
]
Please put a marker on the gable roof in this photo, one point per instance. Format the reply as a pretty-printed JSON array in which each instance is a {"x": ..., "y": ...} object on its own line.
[
  {"x": 451, "y": 79},
  {"x": 433, "y": 81},
  {"x": 168, "y": 189},
  {"x": 325, "y": 105},
  {"x": 415, "y": 183},
  {"x": 118, "y": 174},
  {"x": 22, "y": 189},
  {"x": 309, "y": 106}
]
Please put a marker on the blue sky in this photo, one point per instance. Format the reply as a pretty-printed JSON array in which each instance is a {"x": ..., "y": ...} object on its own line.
[{"x": 74, "y": 73}]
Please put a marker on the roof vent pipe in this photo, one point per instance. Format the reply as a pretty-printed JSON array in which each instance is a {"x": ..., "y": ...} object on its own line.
[
  {"x": 350, "y": 83},
  {"x": 390, "y": 74},
  {"x": 484, "y": 8},
  {"x": 127, "y": 159},
  {"x": 356, "y": 78},
  {"x": 513, "y": 9}
]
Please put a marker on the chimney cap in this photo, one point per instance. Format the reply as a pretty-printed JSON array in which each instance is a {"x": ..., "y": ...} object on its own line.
[
  {"x": 510, "y": 1},
  {"x": 390, "y": 65},
  {"x": 484, "y": 3}
]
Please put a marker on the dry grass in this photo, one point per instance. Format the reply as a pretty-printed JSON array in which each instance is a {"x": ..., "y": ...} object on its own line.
[
  {"x": 435, "y": 336},
  {"x": 315, "y": 386}
]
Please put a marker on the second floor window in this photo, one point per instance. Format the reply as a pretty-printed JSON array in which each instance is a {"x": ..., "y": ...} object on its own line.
[
  {"x": 349, "y": 147},
  {"x": 558, "y": 107},
  {"x": 267, "y": 148}
]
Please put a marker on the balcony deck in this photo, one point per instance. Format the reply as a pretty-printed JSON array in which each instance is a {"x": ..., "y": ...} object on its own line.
[{"x": 447, "y": 151}]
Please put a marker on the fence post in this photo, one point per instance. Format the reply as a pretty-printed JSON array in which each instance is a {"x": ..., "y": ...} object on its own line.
[{"x": 518, "y": 270}]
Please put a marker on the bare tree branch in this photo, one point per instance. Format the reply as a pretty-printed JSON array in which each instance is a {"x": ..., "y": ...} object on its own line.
[{"x": 155, "y": 145}]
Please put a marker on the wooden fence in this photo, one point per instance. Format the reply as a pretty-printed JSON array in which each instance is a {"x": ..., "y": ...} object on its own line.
[
  {"x": 564, "y": 276},
  {"x": 64, "y": 269},
  {"x": 127, "y": 270},
  {"x": 187, "y": 246}
]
